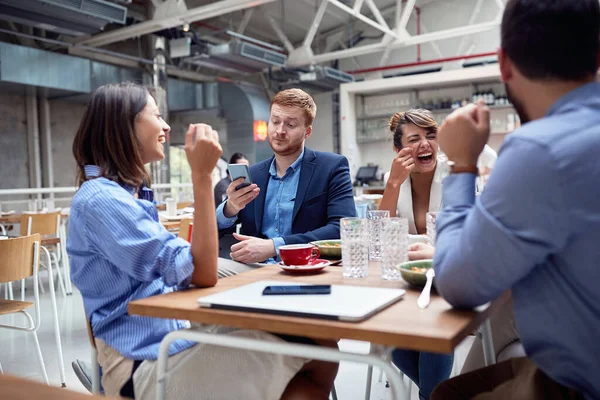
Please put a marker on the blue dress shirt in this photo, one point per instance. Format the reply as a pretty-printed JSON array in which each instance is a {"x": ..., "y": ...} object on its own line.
[
  {"x": 279, "y": 204},
  {"x": 535, "y": 230},
  {"x": 119, "y": 252}
]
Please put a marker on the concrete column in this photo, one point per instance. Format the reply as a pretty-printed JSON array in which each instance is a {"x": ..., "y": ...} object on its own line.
[
  {"x": 161, "y": 171},
  {"x": 33, "y": 139},
  {"x": 46, "y": 141}
]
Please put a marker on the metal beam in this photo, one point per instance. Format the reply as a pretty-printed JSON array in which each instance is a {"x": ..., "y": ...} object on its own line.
[
  {"x": 436, "y": 48},
  {"x": 410, "y": 5},
  {"x": 357, "y": 5},
  {"x": 361, "y": 17},
  {"x": 281, "y": 35},
  {"x": 472, "y": 19},
  {"x": 195, "y": 14},
  {"x": 425, "y": 38},
  {"x": 397, "y": 16},
  {"x": 315, "y": 24},
  {"x": 376, "y": 13},
  {"x": 245, "y": 19}
]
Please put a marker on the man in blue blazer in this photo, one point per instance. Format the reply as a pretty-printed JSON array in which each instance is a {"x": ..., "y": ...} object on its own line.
[{"x": 298, "y": 196}]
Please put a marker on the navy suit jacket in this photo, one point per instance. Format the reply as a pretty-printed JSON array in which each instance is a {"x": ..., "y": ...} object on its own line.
[{"x": 324, "y": 195}]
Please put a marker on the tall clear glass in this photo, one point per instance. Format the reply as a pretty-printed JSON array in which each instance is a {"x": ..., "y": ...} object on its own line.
[
  {"x": 355, "y": 247},
  {"x": 394, "y": 246},
  {"x": 431, "y": 225},
  {"x": 375, "y": 217}
]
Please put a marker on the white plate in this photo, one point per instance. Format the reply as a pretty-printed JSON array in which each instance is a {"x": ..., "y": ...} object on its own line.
[
  {"x": 305, "y": 268},
  {"x": 163, "y": 215}
]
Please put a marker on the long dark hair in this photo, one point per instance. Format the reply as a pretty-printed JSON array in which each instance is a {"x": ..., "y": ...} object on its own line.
[{"x": 106, "y": 135}]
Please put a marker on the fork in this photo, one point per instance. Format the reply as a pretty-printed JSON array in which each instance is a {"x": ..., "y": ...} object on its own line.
[{"x": 423, "y": 300}]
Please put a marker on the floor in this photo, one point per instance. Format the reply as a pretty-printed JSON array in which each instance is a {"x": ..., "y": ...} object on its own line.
[{"x": 18, "y": 357}]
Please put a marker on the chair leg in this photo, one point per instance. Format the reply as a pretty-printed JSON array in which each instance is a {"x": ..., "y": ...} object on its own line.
[
  {"x": 95, "y": 373},
  {"x": 60, "y": 278},
  {"x": 369, "y": 379},
  {"x": 1, "y": 370},
  {"x": 334, "y": 393},
  {"x": 10, "y": 291},
  {"x": 40, "y": 357},
  {"x": 22, "y": 289}
]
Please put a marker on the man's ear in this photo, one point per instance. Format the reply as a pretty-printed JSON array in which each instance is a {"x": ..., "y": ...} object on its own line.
[
  {"x": 308, "y": 132},
  {"x": 506, "y": 66}
]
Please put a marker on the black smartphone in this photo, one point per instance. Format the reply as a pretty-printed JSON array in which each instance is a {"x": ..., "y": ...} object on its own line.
[
  {"x": 299, "y": 289},
  {"x": 237, "y": 171}
]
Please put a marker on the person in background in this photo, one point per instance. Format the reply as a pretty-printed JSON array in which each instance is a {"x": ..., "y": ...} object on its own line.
[
  {"x": 535, "y": 229},
  {"x": 220, "y": 190},
  {"x": 120, "y": 252},
  {"x": 298, "y": 196},
  {"x": 413, "y": 188}
]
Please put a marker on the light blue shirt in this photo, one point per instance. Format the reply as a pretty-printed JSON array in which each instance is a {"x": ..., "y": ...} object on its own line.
[
  {"x": 279, "y": 204},
  {"x": 535, "y": 230},
  {"x": 119, "y": 252}
]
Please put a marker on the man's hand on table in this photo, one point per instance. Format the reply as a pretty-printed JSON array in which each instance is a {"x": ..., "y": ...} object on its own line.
[{"x": 251, "y": 249}]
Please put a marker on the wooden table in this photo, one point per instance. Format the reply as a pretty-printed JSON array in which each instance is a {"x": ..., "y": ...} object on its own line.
[
  {"x": 15, "y": 218},
  {"x": 439, "y": 328},
  {"x": 171, "y": 225},
  {"x": 14, "y": 388}
]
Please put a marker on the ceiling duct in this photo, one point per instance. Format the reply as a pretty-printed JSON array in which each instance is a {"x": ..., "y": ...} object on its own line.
[
  {"x": 67, "y": 17},
  {"x": 316, "y": 78},
  {"x": 238, "y": 56}
]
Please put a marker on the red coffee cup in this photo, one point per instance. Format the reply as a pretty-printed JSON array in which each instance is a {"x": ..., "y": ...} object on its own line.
[{"x": 298, "y": 254}]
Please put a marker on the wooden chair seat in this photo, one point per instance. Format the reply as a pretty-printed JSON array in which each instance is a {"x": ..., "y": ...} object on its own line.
[{"x": 13, "y": 306}]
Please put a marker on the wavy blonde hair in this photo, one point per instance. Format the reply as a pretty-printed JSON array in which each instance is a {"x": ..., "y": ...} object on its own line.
[{"x": 417, "y": 116}]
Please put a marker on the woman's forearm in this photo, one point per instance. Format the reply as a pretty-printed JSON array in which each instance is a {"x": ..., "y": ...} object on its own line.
[
  {"x": 390, "y": 198},
  {"x": 205, "y": 239}
]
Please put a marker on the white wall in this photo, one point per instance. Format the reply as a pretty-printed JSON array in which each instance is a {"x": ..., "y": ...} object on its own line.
[{"x": 322, "y": 136}]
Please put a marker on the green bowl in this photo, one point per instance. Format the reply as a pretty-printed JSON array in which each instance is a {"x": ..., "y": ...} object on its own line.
[
  {"x": 412, "y": 277},
  {"x": 329, "y": 249}
]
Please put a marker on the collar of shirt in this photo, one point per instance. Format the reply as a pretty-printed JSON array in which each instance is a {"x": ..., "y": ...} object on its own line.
[
  {"x": 292, "y": 168},
  {"x": 574, "y": 97},
  {"x": 144, "y": 193}
]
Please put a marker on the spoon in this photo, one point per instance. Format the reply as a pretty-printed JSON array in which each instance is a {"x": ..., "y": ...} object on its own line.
[{"x": 423, "y": 300}]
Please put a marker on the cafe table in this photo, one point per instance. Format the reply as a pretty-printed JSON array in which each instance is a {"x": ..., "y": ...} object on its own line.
[{"x": 439, "y": 328}]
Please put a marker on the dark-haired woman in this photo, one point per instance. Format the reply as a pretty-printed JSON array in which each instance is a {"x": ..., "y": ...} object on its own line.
[
  {"x": 414, "y": 188},
  {"x": 120, "y": 253}
]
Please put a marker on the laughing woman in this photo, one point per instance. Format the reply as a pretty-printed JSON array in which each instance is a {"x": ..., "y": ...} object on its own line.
[{"x": 414, "y": 188}]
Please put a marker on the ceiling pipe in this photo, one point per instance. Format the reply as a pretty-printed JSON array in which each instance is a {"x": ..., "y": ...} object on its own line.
[{"x": 419, "y": 63}]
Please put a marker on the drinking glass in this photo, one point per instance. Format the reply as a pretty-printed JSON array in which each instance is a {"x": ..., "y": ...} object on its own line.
[
  {"x": 431, "y": 222},
  {"x": 375, "y": 217},
  {"x": 355, "y": 247},
  {"x": 394, "y": 246}
]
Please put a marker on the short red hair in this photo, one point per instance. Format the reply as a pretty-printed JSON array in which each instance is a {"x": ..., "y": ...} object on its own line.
[{"x": 297, "y": 98}]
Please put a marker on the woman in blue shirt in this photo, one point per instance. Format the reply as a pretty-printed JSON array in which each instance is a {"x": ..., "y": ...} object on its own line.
[{"x": 120, "y": 252}]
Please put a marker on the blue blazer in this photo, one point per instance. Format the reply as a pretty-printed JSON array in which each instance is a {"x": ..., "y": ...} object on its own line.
[{"x": 324, "y": 195}]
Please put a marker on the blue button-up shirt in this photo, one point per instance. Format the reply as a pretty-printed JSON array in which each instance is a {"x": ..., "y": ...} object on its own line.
[
  {"x": 535, "y": 230},
  {"x": 279, "y": 204},
  {"x": 119, "y": 252}
]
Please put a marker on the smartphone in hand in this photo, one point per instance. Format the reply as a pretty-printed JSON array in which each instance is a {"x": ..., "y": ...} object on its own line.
[{"x": 237, "y": 171}]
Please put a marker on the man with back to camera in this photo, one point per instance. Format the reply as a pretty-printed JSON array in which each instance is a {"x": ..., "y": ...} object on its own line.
[
  {"x": 536, "y": 227},
  {"x": 298, "y": 196}
]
